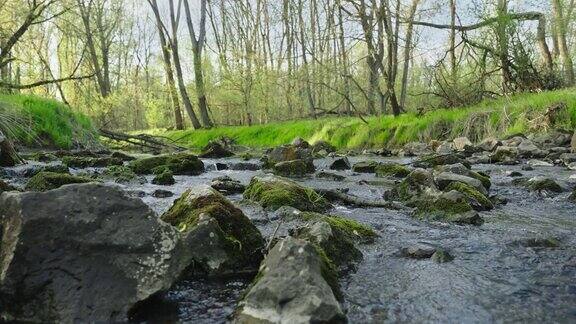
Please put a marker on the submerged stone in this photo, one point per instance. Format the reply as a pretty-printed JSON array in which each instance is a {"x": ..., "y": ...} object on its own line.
[
  {"x": 221, "y": 239},
  {"x": 274, "y": 192},
  {"x": 296, "y": 284},
  {"x": 44, "y": 181}
]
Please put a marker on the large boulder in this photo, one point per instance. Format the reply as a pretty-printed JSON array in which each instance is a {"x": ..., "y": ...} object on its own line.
[
  {"x": 365, "y": 167},
  {"x": 215, "y": 150},
  {"x": 220, "y": 238},
  {"x": 296, "y": 284},
  {"x": 227, "y": 186},
  {"x": 44, "y": 181},
  {"x": 416, "y": 183},
  {"x": 81, "y": 253},
  {"x": 452, "y": 207},
  {"x": 527, "y": 149},
  {"x": 292, "y": 169},
  {"x": 179, "y": 164},
  {"x": 505, "y": 155},
  {"x": 274, "y": 192},
  {"x": 444, "y": 179},
  {"x": 290, "y": 153}
]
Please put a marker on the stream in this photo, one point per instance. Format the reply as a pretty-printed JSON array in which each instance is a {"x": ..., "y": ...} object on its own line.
[{"x": 493, "y": 278}]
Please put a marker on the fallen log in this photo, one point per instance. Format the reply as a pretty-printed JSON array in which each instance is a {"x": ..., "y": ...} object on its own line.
[
  {"x": 339, "y": 196},
  {"x": 153, "y": 143}
]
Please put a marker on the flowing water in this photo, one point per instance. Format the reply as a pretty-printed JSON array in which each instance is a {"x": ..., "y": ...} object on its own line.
[{"x": 493, "y": 278}]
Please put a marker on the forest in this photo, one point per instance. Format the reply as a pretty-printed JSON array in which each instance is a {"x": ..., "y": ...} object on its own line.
[{"x": 287, "y": 161}]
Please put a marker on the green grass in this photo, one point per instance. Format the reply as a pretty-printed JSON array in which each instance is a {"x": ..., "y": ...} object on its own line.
[
  {"x": 45, "y": 122},
  {"x": 496, "y": 118}
]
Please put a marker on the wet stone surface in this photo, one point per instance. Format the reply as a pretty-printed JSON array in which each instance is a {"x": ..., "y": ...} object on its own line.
[{"x": 491, "y": 279}]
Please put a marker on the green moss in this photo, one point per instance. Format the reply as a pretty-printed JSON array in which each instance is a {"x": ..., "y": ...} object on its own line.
[
  {"x": 471, "y": 193},
  {"x": 483, "y": 177},
  {"x": 186, "y": 210},
  {"x": 45, "y": 181},
  {"x": 273, "y": 193},
  {"x": 165, "y": 178},
  {"x": 545, "y": 184},
  {"x": 440, "y": 208},
  {"x": 181, "y": 164},
  {"x": 86, "y": 162},
  {"x": 365, "y": 167},
  {"x": 120, "y": 173},
  {"x": 392, "y": 170},
  {"x": 329, "y": 272}
]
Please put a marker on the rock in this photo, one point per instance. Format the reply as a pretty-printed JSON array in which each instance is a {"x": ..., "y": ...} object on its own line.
[
  {"x": 430, "y": 161},
  {"x": 572, "y": 197},
  {"x": 514, "y": 140},
  {"x": 82, "y": 253},
  {"x": 296, "y": 284},
  {"x": 392, "y": 170},
  {"x": 122, "y": 174},
  {"x": 527, "y": 168},
  {"x": 339, "y": 163},
  {"x": 461, "y": 169},
  {"x": 539, "y": 163},
  {"x": 442, "y": 256},
  {"x": 538, "y": 242},
  {"x": 365, "y": 167},
  {"x": 290, "y": 153},
  {"x": 572, "y": 166},
  {"x": 90, "y": 162},
  {"x": 568, "y": 158},
  {"x": 452, "y": 206},
  {"x": 552, "y": 139},
  {"x": 415, "y": 149},
  {"x": 300, "y": 143},
  {"x": 4, "y": 186},
  {"x": 479, "y": 158},
  {"x": 323, "y": 148},
  {"x": 515, "y": 174},
  {"x": 164, "y": 178},
  {"x": 478, "y": 201},
  {"x": 444, "y": 148},
  {"x": 462, "y": 144},
  {"x": 544, "y": 185},
  {"x": 418, "y": 251},
  {"x": 33, "y": 170},
  {"x": 527, "y": 149},
  {"x": 505, "y": 155},
  {"x": 215, "y": 150},
  {"x": 219, "y": 237},
  {"x": 573, "y": 143},
  {"x": 160, "y": 193},
  {"x": 446, "y": 178},
  {"x": 122, "y": 156},
  {"x": 44, "y": 181},
  {"x": 330, "y": 176},
  {"x": 227, "y": 185},
  {"x": 274, "y": 192},
  {"x": 489, "y": 144},
  {"x": 247, "y": 156},
  {"x": 244, "y": 166},
  {"x": 179, "y": 164},
  {"x": 44, "y": 157},
  {"x": 294, "y": 168},
  {"x": 414, "y": 184},
  {"x": 7, "y": 158},
  {"x": 221, "y": 166}
]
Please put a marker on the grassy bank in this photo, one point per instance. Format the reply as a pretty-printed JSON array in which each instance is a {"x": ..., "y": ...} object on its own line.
[
  {"x": 505, "y": 116},
  {"x": 33, "y": 121}
]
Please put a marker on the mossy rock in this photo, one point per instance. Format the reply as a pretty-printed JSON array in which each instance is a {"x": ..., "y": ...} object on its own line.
[
  {"x": 392, "y": 170},
  {"x": 244, "y": 241},
  {"x": 179, "y": 164},
  {"x": 477, "y": 200},
  {"x": 164, "y": 178},
  {"x": 413, "y": 185},
  {"x": 450, "y": 207},
  {"x": 120, "y": 174},
  {"x": 90, "y": 162},
  {"x": 539, "y": 184},
  {"x": 353, "y": 230},
  {"x": 4, "y": 186},
  {"x": 42, "y": 157},
  {"x": 45, "y": 181},
  {"x": 290, "y": 152},
  {"x": 295, "y": 168},
  {"x": 365, "y": 167},
  {"x": 274, "y": 192},
  {"x": 433, "y": 160},
  {"x": 483, "y": 177},
  {"x": 572, "y": 197}
]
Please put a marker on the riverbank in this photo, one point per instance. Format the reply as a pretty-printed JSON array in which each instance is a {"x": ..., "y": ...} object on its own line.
[
  {"x": 33, "y": 121},
  {"x": 521, "y": 113}
]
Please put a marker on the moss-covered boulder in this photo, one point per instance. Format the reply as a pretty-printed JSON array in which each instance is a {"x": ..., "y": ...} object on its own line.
[
  {"x": 291, "y": 169},
  {"x": 81, "y": 162},
  {"x": 477, "y": 199},
  {"x": 417, "y": 182},
  {"x": 290, "y": 152},
  {"x": 215, "y": 150},
  {"x": 35, "y": 169},
  {"x": 463, "y": 170},
  {"x": 164, "y": 178},
  {"x": 45, "y": 181},
  {"x": 274, "y": 192},
  {"x": 505, "y": 155},
  {"x": 451, "y": 207},
  {"x": 122, "y": 174},
  {"x": 544, "y": 185},
  {"x": 433, "y": 160},
  {"x": 222, "y": 240},
  {"x": 179, "y": 164},
  {"x": 365, "y": 167},
  {"x": 392, "y": 170},
  {"x": 444, "y": 179}
]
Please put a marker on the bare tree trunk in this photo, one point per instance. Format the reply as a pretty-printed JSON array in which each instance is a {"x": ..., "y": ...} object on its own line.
[
  {"x": 408, "y": 51},
  {"x": 309, "y": 94},
  {"x": 561, "y": 25}
]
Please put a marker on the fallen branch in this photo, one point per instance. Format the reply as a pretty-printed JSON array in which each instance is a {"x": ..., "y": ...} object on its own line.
[
  {"x": 142, "y": 140},
  {"x": 336, "y": 195}
]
